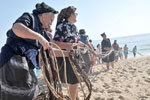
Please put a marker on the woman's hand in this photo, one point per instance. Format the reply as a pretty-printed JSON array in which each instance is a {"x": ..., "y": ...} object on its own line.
[{"x": 43, "y": 42}]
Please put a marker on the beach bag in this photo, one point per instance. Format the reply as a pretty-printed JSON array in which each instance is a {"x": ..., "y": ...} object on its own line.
[{"x": 17, "y": 80}]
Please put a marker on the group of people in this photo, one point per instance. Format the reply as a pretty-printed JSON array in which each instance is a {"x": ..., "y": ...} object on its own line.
[
  {"x": 117, "y": 51},
  {"x": 19, "y": 56},
  {"x": 102, "y": 49},
  {"x": 125, "y": 51}
]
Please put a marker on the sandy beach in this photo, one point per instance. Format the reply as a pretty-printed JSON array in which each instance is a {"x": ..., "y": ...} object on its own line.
[{"x": 129, "y": 80}]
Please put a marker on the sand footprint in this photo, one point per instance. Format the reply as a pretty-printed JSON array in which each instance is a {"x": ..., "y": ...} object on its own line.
[
  {"x": 98, "y": 98},
  {"x": 147, "y": 80},
  {"x": 121, "y": 97},
  {"x": 110, "y": 98},
  {"x": 148, "y": 72},
  {"x": 113, "y": 91}
]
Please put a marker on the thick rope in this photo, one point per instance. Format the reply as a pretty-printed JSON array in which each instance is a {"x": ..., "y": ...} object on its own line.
[
  {"x": 46, "y": 80},
  {"x": 65, "y": 74},
  {"x": 43, "y": 72},
  {"x": 76, "y": 73},
  {"x": 76, "y": 68}
]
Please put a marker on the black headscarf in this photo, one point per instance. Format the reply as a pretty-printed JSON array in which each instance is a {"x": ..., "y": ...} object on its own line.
[{"x": 43, "y": 8}]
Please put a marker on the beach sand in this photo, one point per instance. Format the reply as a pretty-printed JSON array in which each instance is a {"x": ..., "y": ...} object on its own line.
[{"x": 129, "y": 80}]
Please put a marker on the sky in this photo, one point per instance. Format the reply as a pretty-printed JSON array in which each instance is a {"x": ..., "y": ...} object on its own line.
[{"x": 117, "y": 18}]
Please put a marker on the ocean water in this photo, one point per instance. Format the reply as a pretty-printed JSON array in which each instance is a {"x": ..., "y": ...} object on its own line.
[{"x": 141, "y": 41}]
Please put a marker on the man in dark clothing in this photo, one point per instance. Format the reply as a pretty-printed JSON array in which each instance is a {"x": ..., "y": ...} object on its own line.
[
  {"x": 106, "y": 46},
  {"x": 18, "y": 56}
]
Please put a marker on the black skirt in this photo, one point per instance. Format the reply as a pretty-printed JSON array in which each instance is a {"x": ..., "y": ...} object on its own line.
[
  {"x": 71, "y": 77},
  {"x": 109, "y": 58},
  {"x": 17, "y": 80}
]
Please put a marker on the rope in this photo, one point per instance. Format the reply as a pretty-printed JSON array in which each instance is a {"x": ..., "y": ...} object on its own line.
[
  {"x": 65, "y": 75},
  {"x": 46, "y": 80},
  {"x": 75, "y": 65},
  {"x": 60, "y": 95},
  {"x": 76, "y": 73},
  {"x": 136, "y": 52},
  {"x": 74, "y": 61},
  {"x": 101, "y": 55}
]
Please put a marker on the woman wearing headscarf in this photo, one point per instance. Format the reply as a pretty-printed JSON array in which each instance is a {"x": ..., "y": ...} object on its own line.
[
  {"x": 66, "y": 33},
  {"x": 18, "y": 56}
]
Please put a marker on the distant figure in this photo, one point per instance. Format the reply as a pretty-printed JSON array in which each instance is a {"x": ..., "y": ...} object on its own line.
[
  {"x": 125, "y": 51},
  {"x": 120, "y": 53},
  {"x": 85, "y": 55},
  {"x": 98, "y": 50},
  {"x": 92, "y": 56},
  {"x": 116, "y": 49},
  {"x": 106, "y": 46},
  {"x": 91, "y": 44},
  {"x": 134, "y": 51}
]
